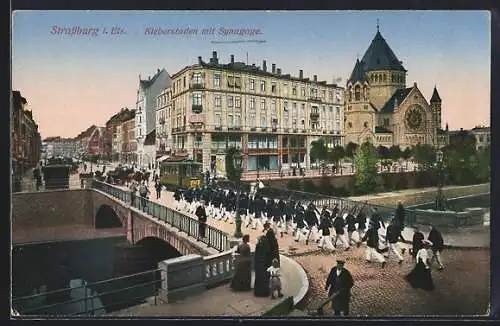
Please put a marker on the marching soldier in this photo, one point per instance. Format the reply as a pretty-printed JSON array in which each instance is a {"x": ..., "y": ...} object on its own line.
[
  {"x": 338, "y": 225},
  {"x": 324, "y": 226},
  {"x": 350, "y": 220},
  {"x": 311, "y": 220},
  {"x": 361, "y": 220},
  {"x": 301, "y": 229}
]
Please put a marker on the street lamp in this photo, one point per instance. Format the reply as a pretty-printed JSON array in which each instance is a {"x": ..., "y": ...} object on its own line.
[
  {"x": 237, "y": 163},
  {"x": 440, "y": 202}
]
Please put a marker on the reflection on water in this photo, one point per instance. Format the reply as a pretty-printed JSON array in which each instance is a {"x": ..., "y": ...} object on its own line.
[{"x": 88, "y": 300}]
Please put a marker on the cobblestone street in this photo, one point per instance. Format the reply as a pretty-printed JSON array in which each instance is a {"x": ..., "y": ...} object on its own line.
[{"x": 461, "y": 289}]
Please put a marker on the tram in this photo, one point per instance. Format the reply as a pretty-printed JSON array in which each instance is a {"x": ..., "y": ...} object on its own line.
[{"x": 180, "y": 172}]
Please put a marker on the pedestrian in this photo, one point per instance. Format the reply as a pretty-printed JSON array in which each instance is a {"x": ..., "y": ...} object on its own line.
[
  {"x": 326, "y": 240},
  {"x": 418, "y": 237},
  {"x": 202, "y": 219},
  {"x": 437, "y": 246},
  {"x": 242, "y": 278},
  {"x": 274, "y": 279},
  {"x": 338, "y": 225},
  {"x": 158, "y": 189},
  {"x": 393, "y": 233},
  {"x": 339, "y": 284},
  {"x": 361, "y": 220},
  {"x": 133, "y": 189},
  {"x": 400, "y": 216},
  {"x": 261, "y": 263},
  {"x": 350, "y": 220},
  {"x": 372, "y": 246},
  {"x": 274, "y": 250},
  {"x": 143, "y": 192},
  {"x": 420, "y": 277}
]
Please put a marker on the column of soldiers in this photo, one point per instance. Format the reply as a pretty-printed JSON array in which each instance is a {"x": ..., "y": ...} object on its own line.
[{"x": 298, "y": 219}]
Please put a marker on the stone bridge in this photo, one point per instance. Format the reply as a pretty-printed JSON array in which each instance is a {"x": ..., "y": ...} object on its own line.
[{"x": 89, "y": 213}]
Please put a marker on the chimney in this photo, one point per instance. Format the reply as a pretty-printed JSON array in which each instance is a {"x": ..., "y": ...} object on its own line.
[
  {"x": 199, "y": 60},
  {"x": 273, "y": 67},
  {"x": 149, "y": 77},
  {"x": 278, "y": 71},
  {"x": 315, "y": 78},
  {"x": 214, "y": 57},
  {"x": 264, "y": 65},
  {"x": 301, "y": 74},
  {"x": 232, "y": 58},
  {"x": 158, "y": 71}
]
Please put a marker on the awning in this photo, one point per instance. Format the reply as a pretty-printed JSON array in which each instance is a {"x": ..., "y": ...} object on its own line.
[{"x": 163, "y": 158}]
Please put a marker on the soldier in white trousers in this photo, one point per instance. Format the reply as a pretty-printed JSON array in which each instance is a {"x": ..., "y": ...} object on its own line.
[
  {"x": 372, "y": 244},
  {"x": 393, "y": 233}
]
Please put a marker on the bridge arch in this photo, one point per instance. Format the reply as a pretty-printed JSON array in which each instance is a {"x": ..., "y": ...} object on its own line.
[
  {"x": 107, "y": 218},
  {"x": 155, "y": 250}
]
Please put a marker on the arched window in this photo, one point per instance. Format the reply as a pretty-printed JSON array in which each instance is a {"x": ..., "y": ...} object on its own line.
[
  {"x": 385, "y": 77},
  {"x": 349, "y": 91},
  {"x": 376, "y": 78},
  {"x": 372, "y": 78},
  {"x": 365, "y": 93},
  {"x": 357, "y": 93},
  {"x": 365, "y": 124}
]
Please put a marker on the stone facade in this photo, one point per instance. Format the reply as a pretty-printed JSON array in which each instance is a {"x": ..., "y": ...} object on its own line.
[{"x": 380, "y": 108}]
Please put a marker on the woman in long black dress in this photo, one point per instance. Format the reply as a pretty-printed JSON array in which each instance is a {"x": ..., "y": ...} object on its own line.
[
  {"x": 420, "y": 277},
  {"x": 261, "y": 262},
  {"x": 242, "y": 278}
]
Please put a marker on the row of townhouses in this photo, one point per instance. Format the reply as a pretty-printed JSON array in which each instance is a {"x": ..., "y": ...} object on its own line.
[{"x": 26, "y": 143}]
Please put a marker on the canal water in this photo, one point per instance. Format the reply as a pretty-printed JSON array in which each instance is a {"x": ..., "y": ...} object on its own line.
[{"x": 41, "y": 268}]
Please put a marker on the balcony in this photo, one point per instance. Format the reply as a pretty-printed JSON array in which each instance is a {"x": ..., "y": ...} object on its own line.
[
  {"x": 304, "y": 131},
  {"x": 234, "y": 128},
  {"x": 253, "y": 129},
  {"x": 218, "y": 128},
  {"x": 263, "y": 129},
  {"x": 313, "y": 98},
  {"x": 274, "y": 129},
  {"x": 196, "y": 85},
  {"x": 196, "y": 118},
  {"x": 197, "y": 108},
  {"x": 161, "y": 121},
  {"x": 295, "y": 130},
  {"x": 314, "y": 115},
  {"x": 324, "y": 131}
]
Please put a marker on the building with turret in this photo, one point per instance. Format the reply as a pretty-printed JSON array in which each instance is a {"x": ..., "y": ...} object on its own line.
[{"x": 381, "y": 109}]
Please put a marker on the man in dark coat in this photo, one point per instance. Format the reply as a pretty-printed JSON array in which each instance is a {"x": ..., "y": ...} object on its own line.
[
  {"x": 361, "y": 220},
  {"x": 372, "y": 246},
  {"x": 339, "y": 284},
  {"x": 392, "y": 236},
  {"x": 376, "y": 220},
  {"x": 262, "y": 262},
  {"x": 418, "y": 237},
  {"x": 350, "y": 221},
  {"x": 202, "y": 220},
  {"x": 437, "y": 246},
  {"x": 400, "y": 215},
  {"x": 338, "y": 225}
]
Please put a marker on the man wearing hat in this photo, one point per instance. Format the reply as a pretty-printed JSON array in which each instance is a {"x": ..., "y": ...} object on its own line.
[
  {"x": 202, "y": 219},
  {"x": 338, "y": 285}
]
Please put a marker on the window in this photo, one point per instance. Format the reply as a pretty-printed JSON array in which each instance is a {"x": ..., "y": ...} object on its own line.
[
  {"x": 285, "y": 89},
  {"x": 252, "y": 103},
  {"x": 230, "y": 101},
  {"x": 285, "y": 106},
  {"x": 273, "y": 87},
  {"x": 294, "y": 90},
  {"x": 217, "y": 120},
  {"x": 323, "y": 94},
  {"x": 263, "y": 121},
  {"x": 337, "y": 112},
  {"x": 251, "y": 119},
  {"x": 349, "y": 124},
  {"x": 357, "y": 93},
  {"x": 330, "y": 95},
  {"x": 230, "y": 81},
  {"x": 237, "y": 102},
  {"x": 365, "y": 124},
  {"x": 303, "y": 91},
  {"x": 230, "y": 120},
  {"x": 184, "y": 81},
  {"x": 217, "y": 101},
  {"x": 262, "y": 86},
  {"x": 237, "y": 82},
  {"x": 273, "y": 106},
  {"x": 216, "y": 79},
  {"x": 386, "y": 122},
  {"x": 237, "y": 120},
  {"x": 197, "y": 99},
  {"x": 303, "y": 109},
  {"x": 197, "y": 78},
  {"x": 337, "y": 126},
  {"x": 263, "y": 104},
  {"x": 481, "y": 139},
  {"x": 365, "y": 107},
  {"x": 252, "y": 84}
]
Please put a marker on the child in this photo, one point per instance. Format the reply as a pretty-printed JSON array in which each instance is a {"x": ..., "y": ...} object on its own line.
[{"x": 274, "y": 280}]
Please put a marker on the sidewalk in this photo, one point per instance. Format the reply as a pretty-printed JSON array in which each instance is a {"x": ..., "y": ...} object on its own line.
[{"x": 222, "y": 301}]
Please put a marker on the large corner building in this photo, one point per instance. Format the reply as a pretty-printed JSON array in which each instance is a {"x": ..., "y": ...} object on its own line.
[
  {"x": 381, "y": 109},
  {"x": 272, "y": 117}
]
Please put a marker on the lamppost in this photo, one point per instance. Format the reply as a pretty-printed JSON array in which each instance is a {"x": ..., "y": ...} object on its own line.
[
  {"x": 440, "y": 201},
  {"x": 237, "y": 163}
]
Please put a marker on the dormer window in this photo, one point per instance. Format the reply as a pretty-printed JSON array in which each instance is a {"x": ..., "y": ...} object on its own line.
[{"x": 357, "y": 93}]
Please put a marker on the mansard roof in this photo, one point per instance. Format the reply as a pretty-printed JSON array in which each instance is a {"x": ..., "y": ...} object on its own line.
[{"x": 379, "y": 55}]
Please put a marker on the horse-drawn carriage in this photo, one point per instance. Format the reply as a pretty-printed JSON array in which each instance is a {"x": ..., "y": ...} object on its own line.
[{"x": 124, "y": 175}]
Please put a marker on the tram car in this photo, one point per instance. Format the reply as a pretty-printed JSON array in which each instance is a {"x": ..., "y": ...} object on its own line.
[{"x": 180, "y": 172}]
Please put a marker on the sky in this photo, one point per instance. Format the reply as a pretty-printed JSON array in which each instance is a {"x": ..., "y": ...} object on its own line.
[{"x": 74, "y": 81}]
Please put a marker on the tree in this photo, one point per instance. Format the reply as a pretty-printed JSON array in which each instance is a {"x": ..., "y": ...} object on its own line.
[
  {"x": 366, "y": 168},
  {"x": 424, "y": 155},
  {"x": 350, "y": 149},
  {"x": 395, "y": 152},
  {"x": 407, "y": 154},
  {"x": 233, "y": 173},
  {"x": 336, "y": 154},
  {"x": 318, "y": 151}
]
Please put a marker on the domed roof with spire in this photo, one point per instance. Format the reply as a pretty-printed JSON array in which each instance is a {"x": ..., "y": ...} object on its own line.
[
  {"x": 380, "y": 56},
  {"x": 358, "y": 73}
]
